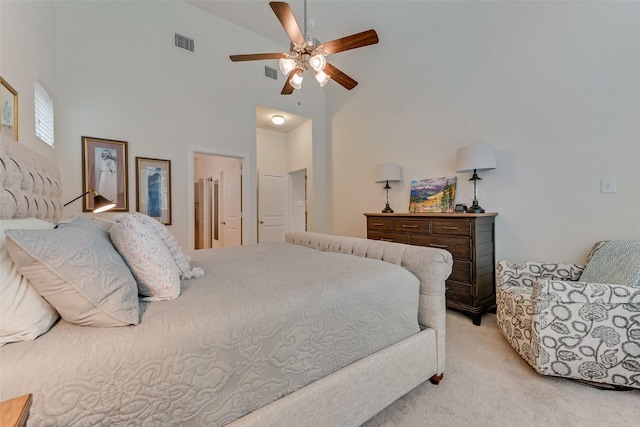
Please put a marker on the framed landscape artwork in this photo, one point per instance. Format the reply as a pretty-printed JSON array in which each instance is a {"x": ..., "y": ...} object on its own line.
[
  {"x": 104, "y": 167},
  {"x": 153, "y": 188},
  {"x": 8, "y": 109},
  {"x": 433, "y": 195}
]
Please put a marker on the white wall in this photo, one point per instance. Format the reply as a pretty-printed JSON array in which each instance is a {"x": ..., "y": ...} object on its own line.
[
  {"x": 553, "y": 86},
  {"x": 271, "y": 150},
  {"x": 211, "y": 166},
  {"x": 120, "y": 77},
  {"x": 27, "y": 51}
]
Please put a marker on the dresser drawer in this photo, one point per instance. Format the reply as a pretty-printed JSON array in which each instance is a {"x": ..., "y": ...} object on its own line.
[
  {"x": 411, "y": 226},
  {"x": 452, "y": 228},
  {"x": 460, "y": 248},
  {"x": 459, "y": 292},
  {"x": 388, "y": 236},
  {"x": 469, "y": 238},
  {"x": 383, "y": 224},
  {"x": 461, "y": 271}
]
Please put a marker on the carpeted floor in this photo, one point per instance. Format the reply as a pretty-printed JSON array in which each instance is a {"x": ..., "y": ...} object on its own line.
[{"x": 486, "y": 383}]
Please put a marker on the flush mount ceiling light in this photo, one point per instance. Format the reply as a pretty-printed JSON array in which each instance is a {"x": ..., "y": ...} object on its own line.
[
  {"x": 306, "y": 52},
  {"x": 277, "y": 119}
]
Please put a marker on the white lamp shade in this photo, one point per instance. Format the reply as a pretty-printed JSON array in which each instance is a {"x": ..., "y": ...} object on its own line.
[
  {"x": 296, "y": 80},
  {"x": 388, "y": 172},
  {"x": 322, "y": 78},
  {"x": 287, "y": 65},
  {"x": 475, "y": 157},
  {"x": 318, "y": 62}
]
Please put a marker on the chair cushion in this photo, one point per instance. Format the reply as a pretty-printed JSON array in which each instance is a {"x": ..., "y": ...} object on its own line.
[{"x": 616, "y": 262}]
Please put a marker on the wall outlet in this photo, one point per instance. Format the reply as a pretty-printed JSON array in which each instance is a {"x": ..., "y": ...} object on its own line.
[{"x": 608, "y": 185}]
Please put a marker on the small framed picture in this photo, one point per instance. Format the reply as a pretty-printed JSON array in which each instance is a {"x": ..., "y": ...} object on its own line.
[
  {"x": 8, "y": 109},
  {"x": 153, "y": 188},
  {"x": 104, "y": 167}
]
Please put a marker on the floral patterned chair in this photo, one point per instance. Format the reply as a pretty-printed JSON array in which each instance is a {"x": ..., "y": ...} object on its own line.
[{"x": 564, "y": 323}]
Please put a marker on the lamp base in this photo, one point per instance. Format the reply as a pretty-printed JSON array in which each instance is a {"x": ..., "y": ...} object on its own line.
[
  {"x": 475, "y": 208},
  {"x": 387, "y": 209}
]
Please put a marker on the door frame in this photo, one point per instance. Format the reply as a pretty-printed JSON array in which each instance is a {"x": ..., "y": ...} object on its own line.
[
  {"x": 306, "y": 197},
  {"x": 249, "y": 194}
]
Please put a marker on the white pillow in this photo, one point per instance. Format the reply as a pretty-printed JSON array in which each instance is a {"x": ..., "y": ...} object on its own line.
[
  {"x": 76, "y": 268},
  {"x": 181, "y": 259},
  {"x": 24, "y": 314},
  {"x": 149, "y": 260}
]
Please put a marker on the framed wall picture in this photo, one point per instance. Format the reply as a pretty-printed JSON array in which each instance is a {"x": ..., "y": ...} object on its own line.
[
  {"x": 8, "y": 109},
  {"x": 104, "y": 167},
  {"x": 433, "y": 194},
  {"x": 153, "y": 188}
]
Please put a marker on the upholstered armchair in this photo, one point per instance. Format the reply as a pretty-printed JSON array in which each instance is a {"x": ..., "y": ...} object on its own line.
[{"x": 565, "y": 326}]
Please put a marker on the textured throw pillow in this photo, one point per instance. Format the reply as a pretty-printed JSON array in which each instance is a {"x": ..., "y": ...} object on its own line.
[
  {"x": 181, "y": 260},
  {"x": 24, "y": 314},
  {"x": 148, "y": 258},
  {"x": 76, "y": 268},
  {"x": 616, "y": 262}
]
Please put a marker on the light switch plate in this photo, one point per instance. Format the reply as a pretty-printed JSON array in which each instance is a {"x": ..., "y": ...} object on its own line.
[{"x": 608, "y": 185}]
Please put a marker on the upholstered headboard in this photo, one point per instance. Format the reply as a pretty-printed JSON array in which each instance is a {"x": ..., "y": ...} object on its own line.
[{"x": 31, "y": 184}]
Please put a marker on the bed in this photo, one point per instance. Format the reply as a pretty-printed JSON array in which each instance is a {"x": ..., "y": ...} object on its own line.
[{"x": 319, "y": 330}]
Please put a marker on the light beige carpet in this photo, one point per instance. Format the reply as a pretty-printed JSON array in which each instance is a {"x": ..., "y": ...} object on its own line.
[{"x": 486, "y": 383}]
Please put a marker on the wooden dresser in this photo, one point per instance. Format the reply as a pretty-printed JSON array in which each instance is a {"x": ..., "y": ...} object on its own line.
[{"x": 468, "y": 237}]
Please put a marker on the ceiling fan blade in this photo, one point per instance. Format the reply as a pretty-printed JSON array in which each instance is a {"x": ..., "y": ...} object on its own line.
[
  {"x": 288, "y": 89},
  {"x": 288, "y": 21},
  {"x": 353, "y": 41},
  {"x": 340, "y": 77},
  {"x": 257, "y": 56}
]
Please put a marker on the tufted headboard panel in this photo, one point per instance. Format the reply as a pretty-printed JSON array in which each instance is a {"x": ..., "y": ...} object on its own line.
[{"x": 31, "y": 184}]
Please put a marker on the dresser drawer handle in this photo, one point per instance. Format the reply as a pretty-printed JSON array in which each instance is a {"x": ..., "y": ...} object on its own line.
[
  {"x": 409, "y": 226},
  {"x": 387, "y": 240},
  {"x": 450, "y": 228},
  {"x": 433, "y": 245},
  {"x": 378, "y": 224}
]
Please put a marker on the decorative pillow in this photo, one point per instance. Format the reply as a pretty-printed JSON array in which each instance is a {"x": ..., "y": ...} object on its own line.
[
  {"x": 76, "y": 268},
  {"x": 181, "y": 260},
  {"x": 24, "y": 314},
  {"x": 596, "y": 248},
  {"x": 617, "y": 262},
  {"x": 148, "y": 258}
]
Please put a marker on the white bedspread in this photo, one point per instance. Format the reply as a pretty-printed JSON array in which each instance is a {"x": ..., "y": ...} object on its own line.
[{"x": 264, "y": 321}]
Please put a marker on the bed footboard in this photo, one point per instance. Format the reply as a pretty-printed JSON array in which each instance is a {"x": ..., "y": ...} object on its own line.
[{"x": 430, "y": 265}]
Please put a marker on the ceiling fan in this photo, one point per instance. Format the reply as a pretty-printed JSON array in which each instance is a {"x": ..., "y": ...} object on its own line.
[{"x": 307, "y": 53}]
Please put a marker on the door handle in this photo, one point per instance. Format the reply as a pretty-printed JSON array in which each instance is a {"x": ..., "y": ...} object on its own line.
[
  {"x": 223, "y": 223},
  {"x": 261, "y": 222}
]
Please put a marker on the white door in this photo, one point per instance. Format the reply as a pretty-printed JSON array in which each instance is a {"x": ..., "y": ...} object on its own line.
[
  {"x": 272, "y": 206},
  {"x": 231, "y": 196}
]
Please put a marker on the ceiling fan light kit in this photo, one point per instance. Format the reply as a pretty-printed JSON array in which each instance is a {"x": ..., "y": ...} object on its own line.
[
  {"x": 296, "y": 80},
  {"x": 322, "y": 78},
  {"x": 306, "y": 52}
]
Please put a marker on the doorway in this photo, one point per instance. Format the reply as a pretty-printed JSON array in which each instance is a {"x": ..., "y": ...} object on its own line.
[
  {"x": 217, "y": 203},
  {"x": 298, "y": 200},
  {"x": 284, "y": 158}
]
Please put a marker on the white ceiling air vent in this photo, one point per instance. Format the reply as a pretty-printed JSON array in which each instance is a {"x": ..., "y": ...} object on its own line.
[
  {"x": 270, "y": 73},
  {"x": 184, "y": 42}
]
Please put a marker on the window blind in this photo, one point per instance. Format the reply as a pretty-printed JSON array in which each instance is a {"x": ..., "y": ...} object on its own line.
[{"x": 44, "y": 114}]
